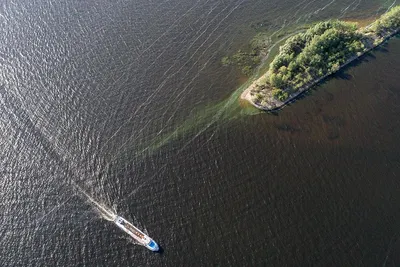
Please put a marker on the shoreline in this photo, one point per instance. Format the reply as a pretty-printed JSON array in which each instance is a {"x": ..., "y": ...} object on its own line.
[{"x": 274, "y": 104}]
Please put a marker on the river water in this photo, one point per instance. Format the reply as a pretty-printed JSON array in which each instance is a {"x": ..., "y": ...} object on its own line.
[{"x": 127, "y": 102}]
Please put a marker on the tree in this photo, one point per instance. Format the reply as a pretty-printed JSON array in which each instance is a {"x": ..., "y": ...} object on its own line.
[
  {"x": 280, "y": 94},
  {"x": 283, "y": 70},
  {"x": 335, "y": 67},
  {"x": 276, "y": 80}
]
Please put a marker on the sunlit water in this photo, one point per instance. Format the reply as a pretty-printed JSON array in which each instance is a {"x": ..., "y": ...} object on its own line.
[{"x": 123, "y": 107}]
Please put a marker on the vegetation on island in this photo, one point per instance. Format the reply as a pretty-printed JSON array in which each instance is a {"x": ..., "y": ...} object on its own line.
[
  {"x": 249, "y": 57},
  {"x": 388, "y": 22},
  {"x": 320, "y": 51}
]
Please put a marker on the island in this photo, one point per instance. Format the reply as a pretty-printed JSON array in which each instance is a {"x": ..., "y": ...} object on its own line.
[{"x": 309, "y": 57}]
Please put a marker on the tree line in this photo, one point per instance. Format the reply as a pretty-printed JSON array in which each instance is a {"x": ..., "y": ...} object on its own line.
[{"x": 321, "y": 50}]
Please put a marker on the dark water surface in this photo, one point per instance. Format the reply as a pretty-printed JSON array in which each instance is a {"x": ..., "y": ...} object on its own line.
[{"x": 127, "y": 100}]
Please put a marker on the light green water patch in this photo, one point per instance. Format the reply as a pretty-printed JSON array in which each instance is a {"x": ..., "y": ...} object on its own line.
[
  {"x": 205, "y": 117},
  {"x": 208, "y": 117},
  {"x": 252, "y": 55},
  {"x": 213, "y": 115}
]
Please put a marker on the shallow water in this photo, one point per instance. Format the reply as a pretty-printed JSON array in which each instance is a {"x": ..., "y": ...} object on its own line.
[{"x": 129, "y": 102}]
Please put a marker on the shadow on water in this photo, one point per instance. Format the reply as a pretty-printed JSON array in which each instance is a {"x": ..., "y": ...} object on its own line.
[
  {"x": 342, "y": 75},
  {"x": 382, "y": 48},
  {"x": 205, "y": 117},
  {"x": 160, "y": 250},
  {"x": 228, "y": 109},
  {"x": 273, "y": 113}
]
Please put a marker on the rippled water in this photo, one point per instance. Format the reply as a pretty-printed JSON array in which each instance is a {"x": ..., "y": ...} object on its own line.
[{"x": 127, "y": 101}]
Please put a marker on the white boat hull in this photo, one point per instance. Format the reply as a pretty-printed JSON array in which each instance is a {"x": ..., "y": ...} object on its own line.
[{"x": 136, "y": 234}]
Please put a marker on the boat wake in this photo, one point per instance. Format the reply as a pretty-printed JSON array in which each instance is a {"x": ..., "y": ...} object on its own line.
[
  {"x": 111, "y": 215},
  {"x": 104, "y": 211}
]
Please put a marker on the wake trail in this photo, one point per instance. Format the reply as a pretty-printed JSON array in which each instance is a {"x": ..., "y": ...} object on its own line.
[
  {"x": 303, "y": 8},
  {"x": 355, "y": 7},
  {"x": 205, "y": 64},
  {"x": 176, "y": 22},
  {"x": 344, "y": 10},
  {"x": 105, "y": 212},
  {"x": 237, "y": 4},
  {"x": 182, "y": 66},
  {"x": 172, "y": 44},
  {"x": 161, "y": 169}
]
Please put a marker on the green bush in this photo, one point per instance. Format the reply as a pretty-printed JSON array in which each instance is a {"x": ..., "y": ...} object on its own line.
[
  {"x": 280, "y": 94},
  {"x": 387, "y": 22},
  {"x": 320, "y": 50}
]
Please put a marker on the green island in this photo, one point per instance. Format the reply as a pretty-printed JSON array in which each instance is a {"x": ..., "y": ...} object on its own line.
[{"x": 307, "y": 58}]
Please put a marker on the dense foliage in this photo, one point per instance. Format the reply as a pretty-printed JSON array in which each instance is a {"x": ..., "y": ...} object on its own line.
[
  {"x": 310, "y": 55},
  {"x": 387, "y": 22},
  {"x": 322, "y": 49}
]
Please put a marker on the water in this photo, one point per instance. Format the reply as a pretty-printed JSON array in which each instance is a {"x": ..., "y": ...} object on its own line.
[{"x": 128, "y": 101}]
